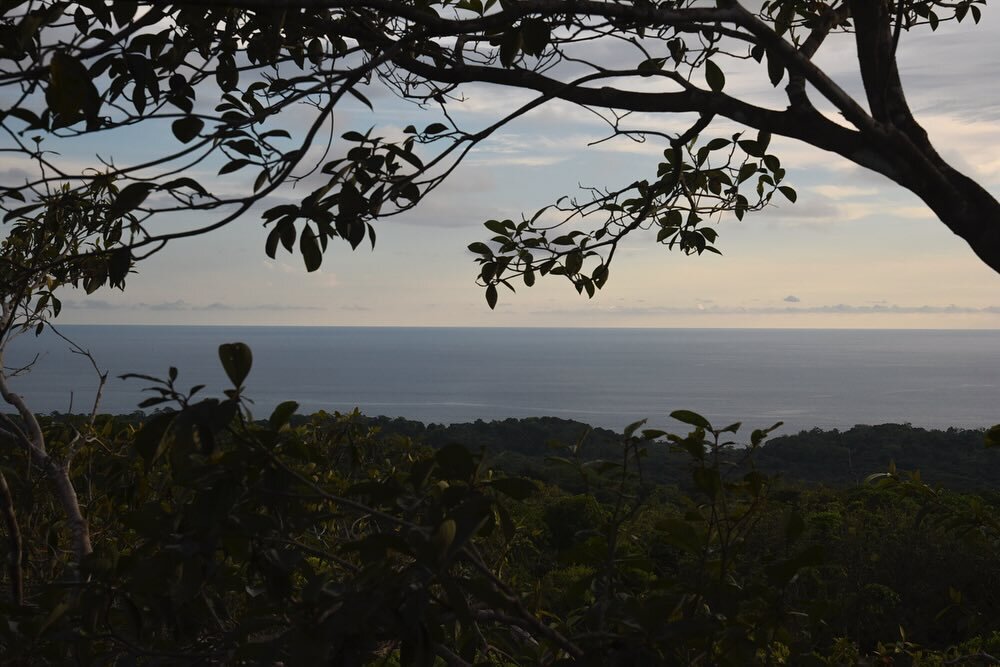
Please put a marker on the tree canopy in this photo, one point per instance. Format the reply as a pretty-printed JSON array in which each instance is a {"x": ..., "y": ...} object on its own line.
[{"x": 255, "y": 90}]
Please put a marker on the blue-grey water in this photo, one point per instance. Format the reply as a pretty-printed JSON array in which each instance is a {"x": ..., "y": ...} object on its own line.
[{"x": 606, "y": 377}]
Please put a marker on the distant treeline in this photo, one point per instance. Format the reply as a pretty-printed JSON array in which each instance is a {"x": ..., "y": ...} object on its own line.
[{"x": 955, "y": 459}]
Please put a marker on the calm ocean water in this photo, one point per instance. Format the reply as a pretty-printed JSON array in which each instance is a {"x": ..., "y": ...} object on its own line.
[{"x": 606, "y": 377}]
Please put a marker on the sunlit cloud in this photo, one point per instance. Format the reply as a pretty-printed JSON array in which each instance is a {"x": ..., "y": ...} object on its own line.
[
  {"x": 832, "y": 309},
  {"x": 181, "y": 305}
]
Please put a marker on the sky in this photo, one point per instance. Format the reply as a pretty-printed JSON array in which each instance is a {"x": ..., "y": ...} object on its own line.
[{"x": 855, "y": 251}]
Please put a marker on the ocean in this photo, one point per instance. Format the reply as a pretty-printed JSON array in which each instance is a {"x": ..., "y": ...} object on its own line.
[{"x": 605, "y": 377}]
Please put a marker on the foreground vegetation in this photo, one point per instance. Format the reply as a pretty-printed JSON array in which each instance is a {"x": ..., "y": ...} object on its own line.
[{"x": 335, "y": 539}]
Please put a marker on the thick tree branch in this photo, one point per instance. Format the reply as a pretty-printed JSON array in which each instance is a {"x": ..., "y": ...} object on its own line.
[
  {"x": 799, "y": 63},
  {"x": 810, "y": 127},
  {"x": 796, "y": 88}
]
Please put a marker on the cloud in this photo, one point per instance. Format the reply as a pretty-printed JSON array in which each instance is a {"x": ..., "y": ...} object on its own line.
[
  {"x": 792, "y": 299},
  {"x": 845, "y": 191},
  {"x": 834, "y": 309},
  {"x": 181, "y": 305}
]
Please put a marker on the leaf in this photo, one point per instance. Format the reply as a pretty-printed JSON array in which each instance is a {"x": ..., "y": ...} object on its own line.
[
  {"x": 574, "y": 262},
  {"x": 732, "y": 428},
  {"x": 510, "y": 45},
  {"x": 236, "y": 360},
  {"x": 232, "y": 166},
  {"x": 775, "y": 69},
  {"x": 261, "y": 180},
  {"x": 496, "y": 227},
  {"x": 130, "y": 198},
  {"x": 119, "y": 264},
  {"x": 151, "y": 440},
  {"x": 185, "y": 182},
  {"x": 714, "y": 76},
  {"x": 633, "y": 427},
  {"x": 789, "y": 193},
  {"x": 282, "y": 414},
  {"x": 20, "y": 212},
  {"x": 535, "y": 35},
  {"x": 758, "y": 435},
  {"x": 692, "y": 418},
  {"x": 491, "y": 296},
  {"x": 271, "y": 244},
  {"x": 71, "y": 95},
  {"x": 187, "y": 128},
  {"x": 600, "y": 275},
  {"x": 312, "y": 255},
  {"x": 361, "y": 98},
  {"x": 435, "y": 128}
]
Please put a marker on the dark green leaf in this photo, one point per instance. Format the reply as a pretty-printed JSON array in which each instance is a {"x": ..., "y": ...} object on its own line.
[
  {"x": 185, "y": 182},
  {"x": 279, "y": 418},
  {"x": 714, "y": 76},
  {"x": 510, "y": 45},
  {"x": 130, "y": 197},
  {"x": 236, "y": 360},
  {"x": 312, "y": 255},
  {"x": 187, "y": 128},
  {"x": 119, "y": 264},
  {"x": 71, "y": 94},
  {"x": 775, "y": 69},
  {"x": 234, "y": 165},
  {"x": 692, "y": 418},
  {"x": 631, "y": 428},
  {"x": 535, "y": 35},
  {"x": 151, "y": 439}
]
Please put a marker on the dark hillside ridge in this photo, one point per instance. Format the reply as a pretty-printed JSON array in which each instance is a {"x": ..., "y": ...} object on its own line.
[{"x": 954, "y": 458}]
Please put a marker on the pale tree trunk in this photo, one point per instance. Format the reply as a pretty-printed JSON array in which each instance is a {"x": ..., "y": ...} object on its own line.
[{"x": 29, "y": 435}]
